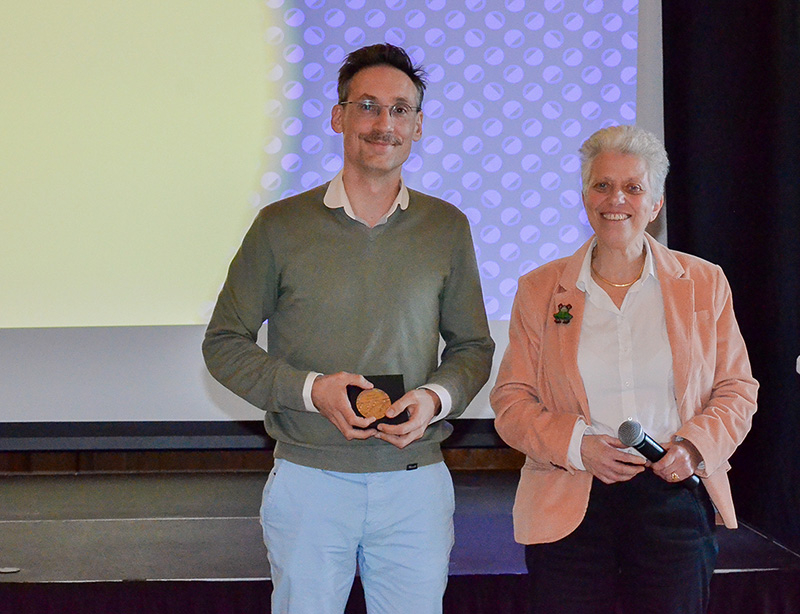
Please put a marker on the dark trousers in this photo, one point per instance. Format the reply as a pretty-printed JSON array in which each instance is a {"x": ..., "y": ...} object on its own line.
[{"x": 643, "y": 546}]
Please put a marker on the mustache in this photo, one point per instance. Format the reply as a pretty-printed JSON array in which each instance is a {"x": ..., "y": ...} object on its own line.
[{"x": 382, "y": 137}]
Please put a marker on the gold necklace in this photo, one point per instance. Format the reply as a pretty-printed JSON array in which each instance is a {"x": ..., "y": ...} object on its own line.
[{"x": 626, "y": 285}]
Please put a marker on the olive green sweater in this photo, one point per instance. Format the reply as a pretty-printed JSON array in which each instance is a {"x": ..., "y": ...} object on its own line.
[{"x": 339, "y": 296}]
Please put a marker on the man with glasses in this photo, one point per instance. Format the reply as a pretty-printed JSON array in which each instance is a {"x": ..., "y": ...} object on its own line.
[{"x": 358, "y": 277}]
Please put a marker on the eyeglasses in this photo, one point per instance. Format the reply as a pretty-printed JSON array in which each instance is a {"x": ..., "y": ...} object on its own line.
[{"x": 368, "y": 108}]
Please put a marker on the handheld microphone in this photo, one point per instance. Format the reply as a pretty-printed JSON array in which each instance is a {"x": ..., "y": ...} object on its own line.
[{"x": 632, "y": 434}]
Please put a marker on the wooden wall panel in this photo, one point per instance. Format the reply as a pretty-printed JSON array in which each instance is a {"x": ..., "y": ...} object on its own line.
[{"x": 467, "y": 459}]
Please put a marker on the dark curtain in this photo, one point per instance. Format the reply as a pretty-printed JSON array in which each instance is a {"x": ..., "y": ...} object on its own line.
[{"x": 731, "y": 109}]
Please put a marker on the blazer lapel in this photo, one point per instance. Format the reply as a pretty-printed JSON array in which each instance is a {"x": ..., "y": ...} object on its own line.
[
  {"x": 678, "y": 295},
  {"x": 569, "y": 334}
]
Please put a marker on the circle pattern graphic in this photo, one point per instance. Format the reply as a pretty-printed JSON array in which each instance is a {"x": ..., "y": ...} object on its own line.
[{"x": 514, "y": 88}]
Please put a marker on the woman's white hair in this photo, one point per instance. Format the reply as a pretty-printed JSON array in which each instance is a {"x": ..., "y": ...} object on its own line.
[{"x": 627, "y": 140}]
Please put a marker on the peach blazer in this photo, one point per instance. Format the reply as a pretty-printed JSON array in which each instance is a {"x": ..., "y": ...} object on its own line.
[{"x": 539, "y": 394}]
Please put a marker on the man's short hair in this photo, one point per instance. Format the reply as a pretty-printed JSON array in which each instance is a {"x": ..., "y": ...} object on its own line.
[{"x": 378, "y": 55}]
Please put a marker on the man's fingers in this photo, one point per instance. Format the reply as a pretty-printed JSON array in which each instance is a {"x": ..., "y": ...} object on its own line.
[
  {"x": 351, "y": 434},
  {"x": 362, "y": 382},
  {"x": 399, "y": 441},
  {"x": 329, "y": 395},
  {"x": 398, "y": 430}
]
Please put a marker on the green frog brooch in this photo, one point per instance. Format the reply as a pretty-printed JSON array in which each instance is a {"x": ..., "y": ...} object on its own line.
[{"x": 563, "y": 316}]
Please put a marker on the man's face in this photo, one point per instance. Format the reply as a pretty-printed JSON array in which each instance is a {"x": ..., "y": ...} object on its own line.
[{"x": 378, "y": 144}]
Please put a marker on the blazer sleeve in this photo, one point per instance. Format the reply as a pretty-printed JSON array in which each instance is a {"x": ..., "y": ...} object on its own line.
[
  {"x": 528, "y": 417},
  {"x": 727, "y": 389}
]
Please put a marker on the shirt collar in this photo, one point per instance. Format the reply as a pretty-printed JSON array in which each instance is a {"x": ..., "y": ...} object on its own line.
[
  {"x": 585, "y": 276},
  {"x": 336, "y": 198}
]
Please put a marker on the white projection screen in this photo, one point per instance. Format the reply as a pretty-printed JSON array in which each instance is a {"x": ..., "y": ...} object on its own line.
[{"x": 141, "y": 138}]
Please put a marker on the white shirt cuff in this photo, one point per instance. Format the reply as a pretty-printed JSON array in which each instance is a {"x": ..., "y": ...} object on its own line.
[
  {"x": 574, "y": 452},
  {"x": 309, "y": 404},
  {"x": 444, "y": 397}
]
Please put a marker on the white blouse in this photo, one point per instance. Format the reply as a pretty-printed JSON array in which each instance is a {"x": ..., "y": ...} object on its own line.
[{"x": 625, "y": 360}]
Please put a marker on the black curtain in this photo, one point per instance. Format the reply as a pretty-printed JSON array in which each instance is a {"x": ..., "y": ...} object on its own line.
[{"x": 731, "y": 109}]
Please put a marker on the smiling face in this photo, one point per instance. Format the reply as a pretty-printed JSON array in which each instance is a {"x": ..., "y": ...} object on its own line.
[
  {"x": 377, "y": 145},
  {"x": 619, "y": 201}
]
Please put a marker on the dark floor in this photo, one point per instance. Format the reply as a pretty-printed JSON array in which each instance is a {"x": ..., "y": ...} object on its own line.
[
  {"x": 112, "y": 527},
  {"x": 204, "y": 527},
  {"x": 122, "y": 527}
]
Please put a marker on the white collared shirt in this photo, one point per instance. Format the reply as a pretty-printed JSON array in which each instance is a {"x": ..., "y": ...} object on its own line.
[
  {"x": 625, "y": 360},
  {"x": 335, "y": 198}
]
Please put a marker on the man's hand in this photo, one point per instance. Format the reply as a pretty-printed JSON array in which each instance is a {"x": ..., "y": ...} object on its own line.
[
  {"x": 329, "y": 395},
  {"x": 422, "y": 406},
  {"x": 604, "y": 458}
]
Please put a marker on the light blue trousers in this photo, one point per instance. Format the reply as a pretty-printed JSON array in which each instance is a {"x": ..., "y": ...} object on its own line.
[{"x": 397, "y": 525}]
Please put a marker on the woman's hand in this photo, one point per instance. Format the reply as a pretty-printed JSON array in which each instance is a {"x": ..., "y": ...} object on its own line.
[
  {"x": 604, "y": 458},
  {"x": 679, "y": 463}
]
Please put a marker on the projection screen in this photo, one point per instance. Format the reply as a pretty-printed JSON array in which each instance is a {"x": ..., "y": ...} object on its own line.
[{"x": 141, "y": 138}]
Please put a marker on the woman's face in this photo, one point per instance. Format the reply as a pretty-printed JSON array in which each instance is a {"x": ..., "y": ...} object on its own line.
[{"x": 619, "y": 200}]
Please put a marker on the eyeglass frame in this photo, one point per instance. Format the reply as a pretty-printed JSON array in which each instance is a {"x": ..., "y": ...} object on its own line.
[{"x": 380, "y": 107}]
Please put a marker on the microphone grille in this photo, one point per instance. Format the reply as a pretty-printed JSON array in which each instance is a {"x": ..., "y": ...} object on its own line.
[{"x": 630, "y": 433}]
